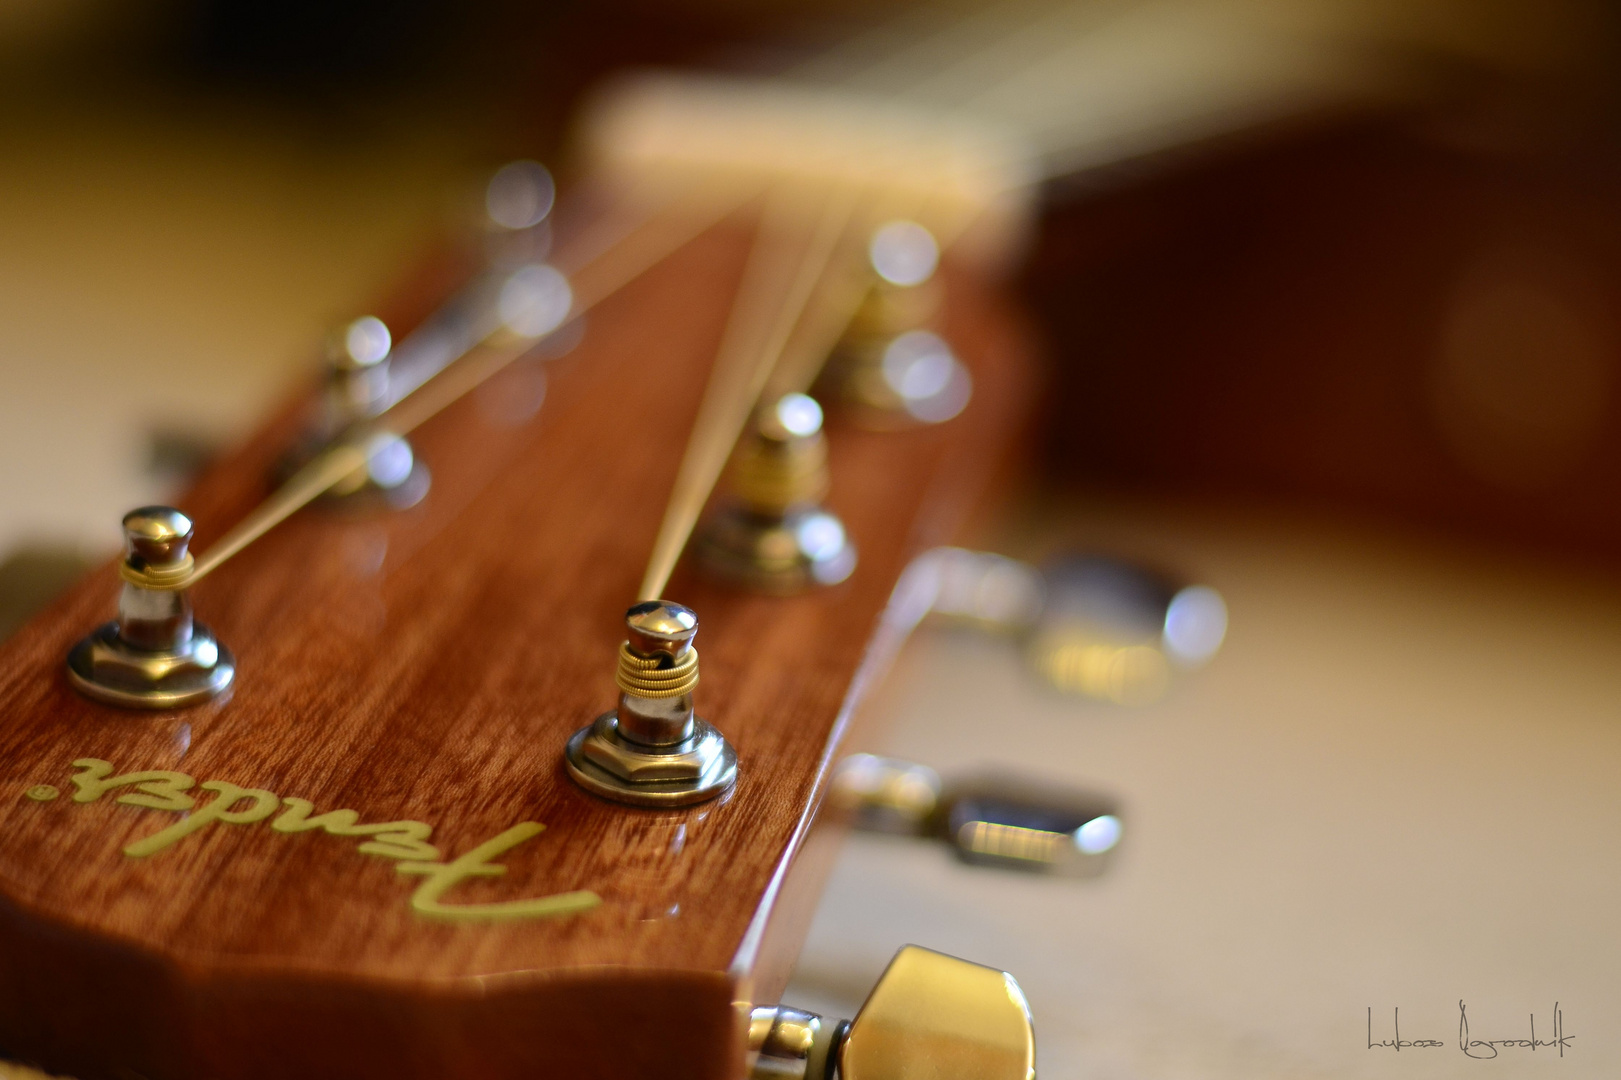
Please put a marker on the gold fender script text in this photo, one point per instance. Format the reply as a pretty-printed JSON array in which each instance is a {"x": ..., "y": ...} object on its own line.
[{"x": 407, "y": 841}]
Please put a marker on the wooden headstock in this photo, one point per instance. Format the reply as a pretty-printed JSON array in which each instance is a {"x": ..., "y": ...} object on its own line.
[{"x": 412, "y": 885}]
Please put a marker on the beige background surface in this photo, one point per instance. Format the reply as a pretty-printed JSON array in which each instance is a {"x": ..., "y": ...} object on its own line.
[
  {"x": 167, "y": 270},
  {"x": 1395, "y": 786}
]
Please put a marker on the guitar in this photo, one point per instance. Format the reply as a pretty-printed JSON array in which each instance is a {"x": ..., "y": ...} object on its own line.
[{"x": 356, "y": 844}]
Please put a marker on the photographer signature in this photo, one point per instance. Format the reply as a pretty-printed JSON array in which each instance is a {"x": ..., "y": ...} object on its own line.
[{"x": 1476, "y": 1048}]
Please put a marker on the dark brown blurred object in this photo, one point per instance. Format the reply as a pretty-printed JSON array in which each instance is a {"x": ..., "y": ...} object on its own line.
[{"x": 1376, "y": 316}]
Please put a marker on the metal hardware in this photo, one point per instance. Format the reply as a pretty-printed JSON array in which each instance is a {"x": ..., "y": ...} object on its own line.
[
  {"x": 775, "y": 537},
  {"x": 891, "y": 368},
  {"x": 392, "y": 477},
  {"x": 929, "y": 1017},
  {"x": 653, "y": 750},
  {"x": 519, "y": 196},
  {"x": 1120, "y": 632},
  {"x": 1010, "y": 822},
  {"x": 886, "y": 795},
  {"x": 992, "y": 820},
  {"x": 154, "y": 656},
  {"x": 1091, "y": 625},
  {"x": 790, "y": 1044},
  {"x": 357, "y": 368},
  {"x": 359, "y": 386},
  {"x": 986, "y": 591},
  {"x": 517, "y": 299},
  {"x": 515, "y": 220}
]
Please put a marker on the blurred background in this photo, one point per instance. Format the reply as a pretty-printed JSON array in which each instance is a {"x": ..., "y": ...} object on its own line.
[
  {"x": 1340, "y": 338},
  {"x": 1376, "y": 274}
]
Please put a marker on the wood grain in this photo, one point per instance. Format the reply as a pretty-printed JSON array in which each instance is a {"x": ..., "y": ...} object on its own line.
[{"x": 429, "y": 666}]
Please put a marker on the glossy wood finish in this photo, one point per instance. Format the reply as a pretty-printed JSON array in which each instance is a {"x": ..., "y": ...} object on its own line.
[{"x": 429, "y": 666}]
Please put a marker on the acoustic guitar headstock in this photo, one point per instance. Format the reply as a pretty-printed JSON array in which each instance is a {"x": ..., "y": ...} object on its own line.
[{"x": 376, "y": 776}]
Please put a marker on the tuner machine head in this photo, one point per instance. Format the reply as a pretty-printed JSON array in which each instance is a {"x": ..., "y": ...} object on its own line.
[
  {"x": 154, "y": 656},
  {"x": 929, "y": 1017},
  {"x": 359, "y": 389},
  {"x": 357, "y": 371},
  {"x": 654, "y": 750},
  {"x": 775, "y": 537},
  {"x": 991, "y": 819}
]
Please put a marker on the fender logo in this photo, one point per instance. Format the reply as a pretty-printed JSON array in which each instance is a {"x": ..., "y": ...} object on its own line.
[{"x": 406, "y": 841}]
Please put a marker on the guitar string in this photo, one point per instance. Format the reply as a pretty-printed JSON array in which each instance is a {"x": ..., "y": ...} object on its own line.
[
  {"x": 616, "y": 267},
  {"x": 1031, "y": 39},
  {"x": 918, "y": 63},
  {"x": 841, "y": 294},
  {"x": 483, "y": 361},
  {"x": 808, "y": 323},
  {"x": 754, "y": 337},
  {"x": 497, "y": 352}
]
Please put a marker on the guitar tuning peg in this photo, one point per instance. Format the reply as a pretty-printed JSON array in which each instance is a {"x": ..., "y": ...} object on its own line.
[
  {"x": 654, "y": 749},
  {"x": 775, "y": 536},
  {"x": 993, "y": 819},
  {"x": 519, "y": 195},
  {"x": 1117, "y": 631},
  {"x": 357, "y": 371},
  {"x": 929, "y": 1017},
  {"x": 1015, "y": 823},
  {"x": 518, "y": 201},
  {"x": 891, "y": 367},
  {"x": 358, "y": 365},
  {"x": 154, "y": 655},
  {"x": 886, "y": 795},
  {"x": 1091, "y": 625}
]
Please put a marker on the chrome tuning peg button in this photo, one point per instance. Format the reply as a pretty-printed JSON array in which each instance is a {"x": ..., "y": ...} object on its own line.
[
  {"x": 154, "y": 656},
  {"x": 1091, "y": 625},
  {"x": 892, "y": 368},
  {"x": 653, "y": 749},
  {"x": 519, "y": 195},
  {"x": 1121, "y": 632},
  {"x": 991, "y": 820},
  {"x": 986, "y": 591},
  {"x": 1016, "y": 824},
  {"x": 775, "y": 536},
  {"x": 886, "y": 795},
  {"x": 930, "y": 1017}
]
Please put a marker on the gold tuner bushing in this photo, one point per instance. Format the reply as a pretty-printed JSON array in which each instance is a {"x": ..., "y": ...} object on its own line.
[
  {"x": 154, "y": 655},
  {"x": 653, "y": 749},
  {"x": 774, "y": 535},
  {"x": 930, "y": 1015}
]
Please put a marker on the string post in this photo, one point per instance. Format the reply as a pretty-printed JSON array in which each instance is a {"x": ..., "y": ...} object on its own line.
[
  {"x": 892, "y": 367},
  {"x": 357, "y": 372},
  {"x": 357, "y": 389},
  {"x": 154, "y": 655},
  {"x": 653, "y": 749},
  {"x": 774, "y": 535}
]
